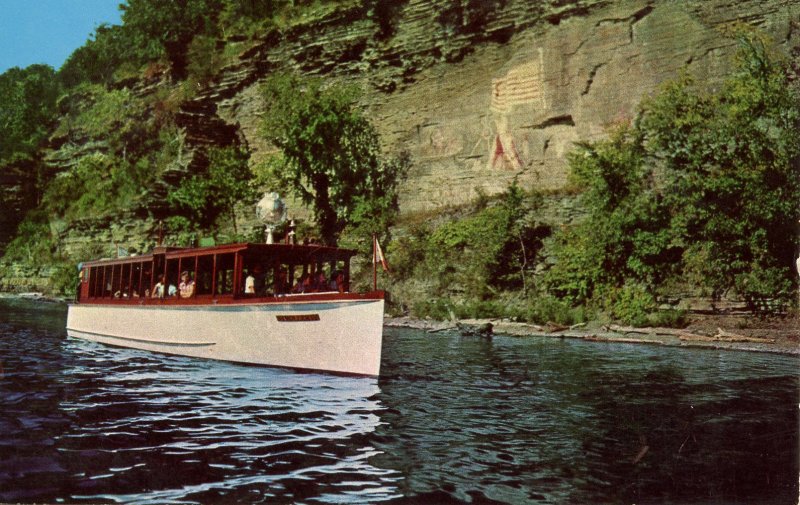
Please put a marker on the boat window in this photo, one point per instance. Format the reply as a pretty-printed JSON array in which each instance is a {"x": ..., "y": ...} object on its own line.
[
  {"x": 173, "y": 275},
  {"x": 224, "y": 280},
  {"x": 188, "y": 265},
  {"x": 205, "y": 274},
  {"x": 281, "y": 283},
  {"x": 93, "y": 281},
  {"x": 146, "y": 279},
  {"x": 124, "y": 282},
  {"x": 136, "y": 280},
  {"x": 116, "y": 280},
  {"x": 259, "y": 275},
  {"x": 106, "y": 281}
]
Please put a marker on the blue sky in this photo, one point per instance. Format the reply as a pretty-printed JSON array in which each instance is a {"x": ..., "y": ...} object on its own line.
[{"x": 47, "y": 31}]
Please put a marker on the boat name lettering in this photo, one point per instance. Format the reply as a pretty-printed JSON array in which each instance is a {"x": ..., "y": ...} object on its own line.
[{"x": 298, "y": 318}]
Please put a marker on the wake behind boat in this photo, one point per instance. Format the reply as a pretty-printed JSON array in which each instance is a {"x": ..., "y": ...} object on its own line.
[{"x": 283, "y": 305}]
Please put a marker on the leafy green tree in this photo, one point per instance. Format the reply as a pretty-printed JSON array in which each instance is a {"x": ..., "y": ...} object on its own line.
[
  {"x": 731, "y": 166},
  {"x": 207, "y": 196},
  {"x": 625, "y": 234},
  {"x": 158, "y": 28},
  {"x": 331, "y": 157},
  {"x": 28, "y": 97},
  {"x": 98, "y": 59}
]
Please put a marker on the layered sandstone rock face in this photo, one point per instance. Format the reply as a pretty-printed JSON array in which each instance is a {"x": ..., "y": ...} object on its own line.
[{"x": 487, "y": 92}]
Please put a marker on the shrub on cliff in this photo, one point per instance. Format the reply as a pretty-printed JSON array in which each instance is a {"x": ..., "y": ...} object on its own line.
[{"x": 469, "y": 265}]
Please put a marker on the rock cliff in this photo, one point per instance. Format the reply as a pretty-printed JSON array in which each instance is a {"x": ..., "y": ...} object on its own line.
[
  {"x": 479, "y": 92},
  {"x": 485, "y": 92}
]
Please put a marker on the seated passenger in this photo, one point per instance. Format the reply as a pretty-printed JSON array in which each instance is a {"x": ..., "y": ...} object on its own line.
[
  {"x": 281, "y": 286},
  {"x": 320, "y": 282},
  {"x": 259, "y": 281},
  {"x": 250, "y": 284},
  {"x": 338, "y": 284},
  {"x": 303, "y": 284},
  {"x": 159, "y": 290},
  {"x": 186, "y": 286}
]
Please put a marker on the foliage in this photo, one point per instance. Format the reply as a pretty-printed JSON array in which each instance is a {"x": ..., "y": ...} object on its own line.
[
  {"x": 484, "y": 252},
  {"x": 95, "y": 186},
  {"x": 129, "y": 151},
  {"x": 625, "y": 234},
  {"x": 158, "y": 28},
  {"x": 204, "y": 61},
  {"x": 33, "y": 240},
  {"x": 97, "y": 60},
  {"x": 477, "y": 265},
  {"x": 702, "y": 187},
  {"x": 548, "y": 309},
  {"x": 206, "y": 196},
  {"x": 732, "y": 173},
  {"x": 249, "y": 16},
  {"x": 28, "y": 97},
  {"x": 331, "y": 157},
  {"x": 64, "y": 278}
]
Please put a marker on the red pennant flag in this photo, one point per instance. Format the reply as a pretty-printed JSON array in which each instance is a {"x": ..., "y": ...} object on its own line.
[{"x": 380, "y": 257}]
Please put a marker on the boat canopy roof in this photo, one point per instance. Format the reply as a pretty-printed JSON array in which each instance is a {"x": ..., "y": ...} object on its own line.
[{"x": 282, "y": 253}]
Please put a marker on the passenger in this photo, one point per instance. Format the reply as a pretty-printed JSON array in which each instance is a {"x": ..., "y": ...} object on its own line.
[
  {"x": 333, "y": 285},
  {"x": 250, "y": 284},
  {"x": 303, "y": 284},
  {"x": 259, "y": 281},
  {"x": 171, "y": 290},
  {"x": 320, "y": 283},
  {"x": 186, "y": 286},
  {"x": 281, "y": 282},
  {"x": 159, "y": 290},
  {"x": 339, "y": 284}
]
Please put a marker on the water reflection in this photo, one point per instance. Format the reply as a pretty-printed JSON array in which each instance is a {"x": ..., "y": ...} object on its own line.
[{"x": 206, "y": 431}]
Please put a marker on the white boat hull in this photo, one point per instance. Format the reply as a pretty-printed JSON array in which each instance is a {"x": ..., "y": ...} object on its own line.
[{"x": 342, "y": 336}]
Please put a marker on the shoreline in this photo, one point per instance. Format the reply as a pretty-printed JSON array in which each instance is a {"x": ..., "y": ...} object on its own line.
[
  {"x": 734, "y": 332},
  {"x": 782, "y": 337}
]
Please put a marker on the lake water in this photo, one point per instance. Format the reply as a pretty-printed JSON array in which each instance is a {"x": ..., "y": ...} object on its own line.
[{"x": 451, "y": 420}]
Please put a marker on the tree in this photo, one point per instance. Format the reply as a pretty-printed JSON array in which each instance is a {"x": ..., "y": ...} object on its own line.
[
  {"x": 625, "y": 233},
  {"x": 207, "y": 196},
  {"x": 157, "y": 28},
  {"x": 28, "y": 97},
  {"x": 96, "y": 60},
  {"x": 732, "y": 174},
  {"x": 331, "y": 157}
]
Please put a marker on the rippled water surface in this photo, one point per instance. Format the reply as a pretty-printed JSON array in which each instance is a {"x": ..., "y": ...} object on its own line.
[{"x": 451, "y": 419}]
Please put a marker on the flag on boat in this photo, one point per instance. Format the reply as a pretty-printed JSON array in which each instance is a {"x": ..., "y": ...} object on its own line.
[
  {"x": 121, "y": 252},
  {"x": 379, "y": 257}
]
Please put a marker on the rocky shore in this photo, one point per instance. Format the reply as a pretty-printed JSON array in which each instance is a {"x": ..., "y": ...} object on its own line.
[{"x": 778, "y": 334}]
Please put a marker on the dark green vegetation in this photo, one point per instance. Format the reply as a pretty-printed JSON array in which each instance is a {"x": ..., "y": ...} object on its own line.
[
  {"x": 699, "y": 195},
  {"x": 330, "y": 157}
]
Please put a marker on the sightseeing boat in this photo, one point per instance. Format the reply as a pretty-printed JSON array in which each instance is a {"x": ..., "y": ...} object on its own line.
[{"x": 284, "y": 305}]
